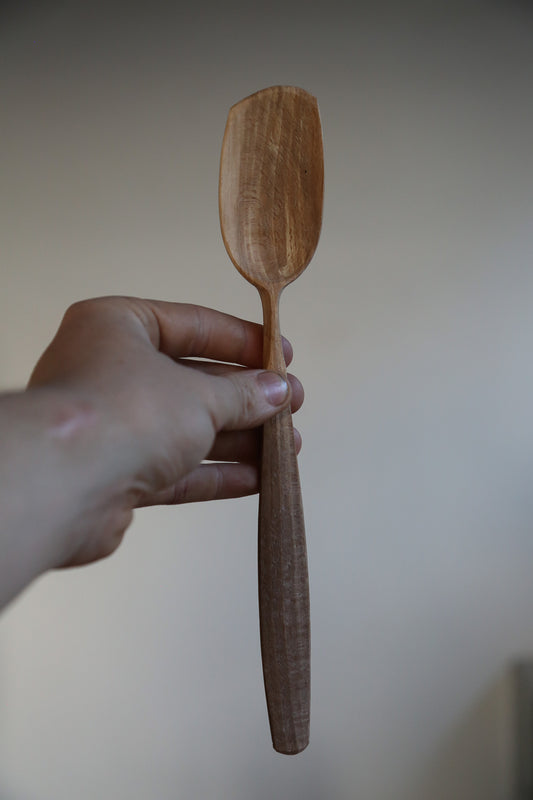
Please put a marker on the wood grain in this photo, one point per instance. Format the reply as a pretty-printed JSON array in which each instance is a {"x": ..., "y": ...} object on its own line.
[
  {"x": 271, "y": 185},
  {"x": 270, "y": 198}
]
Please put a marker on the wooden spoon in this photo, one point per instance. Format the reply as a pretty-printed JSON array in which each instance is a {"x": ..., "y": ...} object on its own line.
[{"x": 270, "y": 196}]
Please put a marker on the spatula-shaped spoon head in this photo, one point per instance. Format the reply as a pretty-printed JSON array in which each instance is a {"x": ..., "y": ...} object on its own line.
[{"x": 271, "y": 185}]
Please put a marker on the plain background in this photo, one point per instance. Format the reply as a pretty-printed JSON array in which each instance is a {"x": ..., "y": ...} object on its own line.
[{"x": 140, "y": 677}]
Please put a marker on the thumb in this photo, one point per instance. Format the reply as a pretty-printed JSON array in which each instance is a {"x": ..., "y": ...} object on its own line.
[{"x": 246, "y": 398}]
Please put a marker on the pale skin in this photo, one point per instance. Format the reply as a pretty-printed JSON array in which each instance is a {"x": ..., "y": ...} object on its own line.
[{"x": 122, "y": 408}]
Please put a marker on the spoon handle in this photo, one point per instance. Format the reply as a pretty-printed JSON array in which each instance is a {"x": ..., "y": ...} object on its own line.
[{"x": 283, "y": 577}]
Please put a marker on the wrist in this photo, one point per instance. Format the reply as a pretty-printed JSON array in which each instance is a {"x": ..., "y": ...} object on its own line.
[
  {"x": 58, "y": 481},
  {"x": 92, "y": 451}
]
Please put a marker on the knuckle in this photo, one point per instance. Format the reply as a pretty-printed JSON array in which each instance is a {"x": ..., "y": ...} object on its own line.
[
  {"x": 218, "y": 482},
  {"x": 182, "y": 492},
  {"x": 235, "y": 403},
  {"x": 82, "y": 309},
  {"x": 79, "y": 308},
  {"x": 244, "y": 334},
  {"x": 199, "y": 334},
  {"x": 114, "y": 307},
  {"x": 90, "y": 305},
  {"x": 248, "y": 399}
]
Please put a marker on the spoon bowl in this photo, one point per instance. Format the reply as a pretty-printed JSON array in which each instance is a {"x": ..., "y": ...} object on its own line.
[{"x": 271, "y": 185}]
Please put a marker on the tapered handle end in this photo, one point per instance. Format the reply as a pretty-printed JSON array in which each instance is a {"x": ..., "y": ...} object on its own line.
[{"x": 284, "y": 589}]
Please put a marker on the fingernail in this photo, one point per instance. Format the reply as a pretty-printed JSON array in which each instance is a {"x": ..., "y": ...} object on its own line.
[{"x": 274, "y": 387}]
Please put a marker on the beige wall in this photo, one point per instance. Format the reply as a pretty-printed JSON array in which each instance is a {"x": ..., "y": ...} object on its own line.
[{"x": 140, "y": 678}]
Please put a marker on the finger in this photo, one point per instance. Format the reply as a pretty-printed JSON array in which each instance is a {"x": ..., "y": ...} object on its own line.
[
  {"x": 246, "y": 398},
  {"x": 182, "y": 330},
  {"x": 242, "y": 446},
  {"x": 208, "y": 482},
  {"x": 214, "y": 368}
]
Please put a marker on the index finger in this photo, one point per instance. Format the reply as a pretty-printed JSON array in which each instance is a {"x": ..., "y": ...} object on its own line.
[{"x": 184, "y": 330}]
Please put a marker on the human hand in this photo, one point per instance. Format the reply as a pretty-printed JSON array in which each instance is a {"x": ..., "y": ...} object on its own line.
[{"x": 140, "y": 415}]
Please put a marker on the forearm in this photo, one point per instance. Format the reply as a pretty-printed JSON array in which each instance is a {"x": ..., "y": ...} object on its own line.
[{"x": 52, "y": 482}]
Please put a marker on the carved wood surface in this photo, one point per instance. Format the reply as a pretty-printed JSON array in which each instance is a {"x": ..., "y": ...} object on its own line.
[{"x": 270, "y": 196}]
